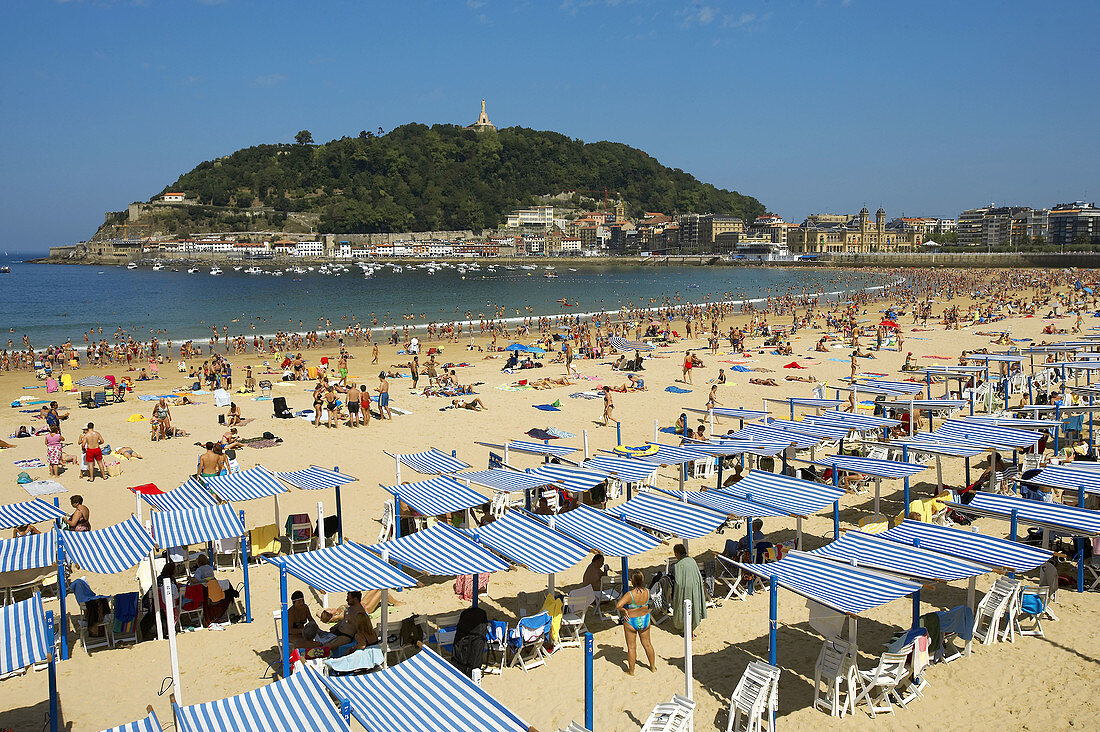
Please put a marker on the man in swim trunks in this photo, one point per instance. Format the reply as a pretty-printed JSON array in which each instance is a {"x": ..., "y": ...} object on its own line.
[
  {"x": 353, "y": 396},
  {"x": 210, "y": 463},
  {"x": 383, "y": 396},
  {"x": 92, "y": 442}
]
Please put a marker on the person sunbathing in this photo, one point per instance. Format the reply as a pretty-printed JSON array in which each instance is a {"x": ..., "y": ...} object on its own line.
[
  {"x": 476, "y": 405},
  {"x": 784, "y": 349},
  {"x": 807, "y": 379},
  {"x": 821, "y": 347},
  {"x": 231, "y": 440},
  {"x": 763, "y": 382}
]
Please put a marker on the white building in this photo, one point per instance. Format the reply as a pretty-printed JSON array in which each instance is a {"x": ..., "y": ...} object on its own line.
[
  {"x": 537, "y": 217},
  {"x": 172, "y": 197},
  {"x": 309, "y": 249},
  {"x": 570, "y": 245}
]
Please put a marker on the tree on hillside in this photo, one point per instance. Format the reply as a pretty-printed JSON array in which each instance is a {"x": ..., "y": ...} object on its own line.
[{"x": 305, "y": 137}]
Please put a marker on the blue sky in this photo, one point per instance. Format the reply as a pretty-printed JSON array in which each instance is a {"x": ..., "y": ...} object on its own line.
[{"x": 924, "y": 108}]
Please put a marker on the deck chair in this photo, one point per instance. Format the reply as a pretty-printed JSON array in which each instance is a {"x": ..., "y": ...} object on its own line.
[
  {"x": 86, "y": 398},
  {"x": 125, "y": 613},
  {"x": 573, "y": 614},
  {"x": 444, "y": 635},
  {"x": 388, "y": 523},
  {"x": 883, "y": 683},
  {"x": 84, "y": 595},
  {"x": 299, "y": 532},
  {"x": 100, "y": 399},
  {"x": 190, "y": 605},
  {"x": 527, "y": 640},
  {"x": 671, "y": 716},
  {"x": 280, "y": 409},
  {"x": 994, "y": 609},
  {"x": 265, "y": 387},
  {"x": 229, "y": 551},
  {"x": 755, "y": 695},
  {"x": 263, "y": 540},
  {"x": 730, "y": 576},
  {"x": 834, "y": 669},
  {"x": 574, "y": 727},
  {"x": 397, "y": 645},
  {"x": 496, "y": 642},
  {"x": 1034, "y": 605}
]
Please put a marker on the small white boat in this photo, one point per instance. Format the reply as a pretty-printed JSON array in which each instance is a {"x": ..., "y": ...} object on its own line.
[
  {"x": 131, "y": 265},
  {"x": 193, "y": 270},
  {"x": 253, "y": 270},
  {"x": 158, "y": 267},
  {"x": 215, "y": 270}
]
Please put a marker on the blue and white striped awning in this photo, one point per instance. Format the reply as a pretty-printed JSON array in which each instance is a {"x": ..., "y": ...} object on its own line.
[
  {"x": 852, "y": 421},
  {"x": 930, "y": 444},
  {"x": 315, "y": 478},
  {"x": 527, "y": 541},
  {"x": 505, "y": 480},
  {"x": 196, "y": 525},
  {"x": 22, "y": 635},
  {"x": 885, "y": 388},
  {"x": 597, "y": 530},
  {"x": 441, "y": 550},
  {"x": 110, "y": 550},
  {"x": 728, "y": 503},
  {"x": 437, "y": 496},
  {"x": 299, "y": 703},
  {"x": 773, "y": 433},
  {"x": 734, "y": 413},
  {"x": 1016, "y": 423},
  {"x": 867, "y": 550},
  {"x": 970, "y": 545},
  {"x": 807, "y": 401},
  {"x": 1000, "y": 357},
  {"x": 929, "y": 405},
  {"x": 34, "y": 551},
  {"x": 871, "y": 466},
  {"x": 622, "y": 344},
  {"x": 989, "y": 436},
  {"x": 842, "y": 587},
  {"x": 422, "y": 694},
  {"x": 576, "y": 480},
  {"x": 28, "y": 512},
  {"x": 673, "y": 455},
  {"x": 431, "y": 462},
  {"x": 669, "y": 517},
  {"x": 794, "y": 496},
  {"x": 813, "y": 429},
  {"x": 1036, "y": 513},
  {"x": 247, "y": 485},
  {"x": 1069, "y": 477},
  {"x": 149, "y": 724},
  {"x": 540, "y": 448},
  {"x": 625, "y": 469},
  {"x": 725, "y": 446},
  {"x": 343, "y": 568},
  {"x": 187, "y": 496}
]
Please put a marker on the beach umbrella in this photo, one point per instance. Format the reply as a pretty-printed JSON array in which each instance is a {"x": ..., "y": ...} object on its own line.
[
  {"x": 890, "y": 324},
  {"x": 93, "y": 381},
  {"x": 535, "y": 349},
  {"x": 516, "y": 347}
]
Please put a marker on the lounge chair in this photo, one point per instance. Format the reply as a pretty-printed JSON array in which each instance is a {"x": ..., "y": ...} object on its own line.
[
  {"x": 444, "y": 635},
  {"x": 671, "y": 716},
  {"x": 100, "y": 399},
  {"x": 191, "y": 605},
  {"x": 883, "y": 683},
  {"x": 527, "y": 640},
  {"x": 834, "y": 669},
  {"x": 731, "y": 576},
  {"x": 228, "y": 549},
  {"x": 755, "y": 696}
]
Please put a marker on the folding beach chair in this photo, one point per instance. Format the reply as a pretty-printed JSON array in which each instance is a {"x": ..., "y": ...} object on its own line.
[
  {"x": 299, "y": 532},
  {"x": 229, "y": 550},
  {"x": 527, "y": 640},
  {"x": 755, "y": 695},
  {"x": 883, "y": 683},
  {"x": 84, "y": 595},
  {"x": 997, "y": 607},
  {"x": 125, "y": 613},
  {"x": 191, "y": 606},
  {"x": 573, "y": 614},
  {"x": 835, "y": 684},
  {"x": 265, "y": 387},
  {"x": 1034, "y": 605},
  {"x": 263, "y": 540},
  {"x": 671, "y": 716},
  {"x": 731, "y": 576},
  {"x": 100, "y": 399},
  {"x": 444, "y": 635}
]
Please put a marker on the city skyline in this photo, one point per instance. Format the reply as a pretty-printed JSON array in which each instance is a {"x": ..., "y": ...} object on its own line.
[{"x": 809, "y": 107}]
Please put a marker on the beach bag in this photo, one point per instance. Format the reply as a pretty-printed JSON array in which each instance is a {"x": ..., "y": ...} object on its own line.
[
  {"x": 411, "y": 633},
  {"x": 106, "y": 449},
  {"x": 114, "y": 469},
  {"x": 23, "y": 477}
]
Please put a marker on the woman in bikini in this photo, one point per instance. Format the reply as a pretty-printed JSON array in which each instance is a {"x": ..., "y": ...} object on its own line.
[{"x": 634, "y": 605}]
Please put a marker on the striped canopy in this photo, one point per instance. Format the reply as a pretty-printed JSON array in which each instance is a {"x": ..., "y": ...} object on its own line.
[
  {"x": 820, "y": 430},
  {"x": 92, "y": 381},
  {"x": 729, "y": 504},
  {"x": 22, "y": 635},
  {"x": 437, "y": 496},
  {"x": 441, "y": 550},
  {"x": 149, "y": 724},
  {"x": 970, "y": 545},
  {"x": 343, "y": 568},
  {"x": 529, "y": 542},
  {"x": 422, "y": 694},
  {"x": 189, "y": 495},
  {"x": 314, "y": 478},
  {"x": 431, "y": 462},
  {"x": 773, "y": 433},
  {"x": 622, "y": 344},
  {"x": 28, "y": 512},
  {"x": 110, "y": 550},
  {"x": 929, "y": 405},
  {"x": 503, "y": 479},
  {"x": 809, "y": 401},
  {"x": 923, "y": 442},
  {"x": 597, "y": 530},
  {"x": 625, "y": 469},
  {"x": 669, "y": 517},
  {"x": 793, "y": 496},
  {"x": 1069, "y": 477},
  {"x": 842, "y": 587},
  {"x": 28, "y": 552},
  {"x": 1036, "y": 513},
  {"x": 1016, "y": 423},
  {"x": 1002, "y": 357},
  {"x": 851, "y": 421},
  {"x": 256, "y": 482},
  {"x": 299, "y": 703},
  {"x": 726, "y": 446},
  {"x": 734, "y": 413},
  {"x": 196, "y": 525},
  {"x": 867, "y": 550},
  {"x": 871, "y": 466},
  {"x": 887, "y": 388},
  {"x": 539, "y": 448},
  {"x": 987, "y": 435},
  {"x": 673, "y": 455},
  {"x": 573, "y": 479}
]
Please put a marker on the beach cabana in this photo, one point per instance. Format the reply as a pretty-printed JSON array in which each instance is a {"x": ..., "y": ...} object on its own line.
[
  {"x": 925, "y": 443},
  {"x": 433, "y": 497},
  {"x": 671, "y": 518},
  {"x": 29, "y": 512},
  {"x": 190, "y": 494},
  {"x": 298, "y": 703},
  {"x": 741, "y": 415},
  {"x": 1070, "y": 477},
  {"x": 342, "y": 568},
  {"x": 422, "y": 694},
  {"x": 760, "y": 432},
  {"x": 429, "y": 462},
  {"x": 627, "y": 470},
  {"x": 247, "y": 485},
  {"x": 877, "y": 469},
  {"x": 315, "y": 478},
  {"x": 544, "y": 450},
  {"x": 793, "y": 496},
  {"x": 27, "y": 638},
  {"x": 149, "y": 723},
  {"x": 572, "y": 479},
  {"x": 504, "y": 480},
  {"x": 523, "y": 539}
]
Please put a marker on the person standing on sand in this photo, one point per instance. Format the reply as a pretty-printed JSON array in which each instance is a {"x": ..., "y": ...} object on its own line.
[
  {"x": 383, "y": 397},
  {"x": 92, "y": 442},
  {"x": 634, "y": 605},
  {"x": 687, "y": 367},
  {"x": 608, "y": 407},
  {"x": 568, "y": 350},
  {"x": 353, "y": 397},
  {"x": 688, "y": 581},
  {"x": 374, "y": 352}
]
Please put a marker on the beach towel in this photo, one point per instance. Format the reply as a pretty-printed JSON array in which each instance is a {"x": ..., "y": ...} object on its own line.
[
  {"x": 677, "y": 390},
  {"x": 51, "y": 385},
  {"x": 263, "y": 540},
  {"x": 125, "y": 611},
  {"x": 793, "y": 365},
  {"x": 43, "y": 487},
  {"x": 136, "y": 418},
  {"x": 30, "y": 463},
  {"x": 574, "y": 395},
  {"x": 540, "y": 434},
  {"x": 560, "y": 433},
  {"x": 688, "y": 582},
  {"x": 361, "y": 660},
  {"x": 553, "y": 607},
  {"x": 669, "y": 430},
  {"x": 547, "y": 407},
  {"x": 738, "y": 367}
]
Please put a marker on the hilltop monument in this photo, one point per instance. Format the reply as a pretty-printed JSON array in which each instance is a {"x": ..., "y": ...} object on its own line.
[{"x": 483, "y": 124}]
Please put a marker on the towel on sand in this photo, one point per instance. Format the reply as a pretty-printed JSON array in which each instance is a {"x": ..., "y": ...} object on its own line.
[
  {"x": 547, "y": 407},
  {"x": 677, "y": 390},
  {"x": 794, "y": 365}
]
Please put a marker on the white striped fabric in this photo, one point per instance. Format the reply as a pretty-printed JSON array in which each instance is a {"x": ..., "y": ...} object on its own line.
[
  {"x": 314, "y": 478},
  {"x": 886, "y": 388},
  {"x": 811, "y": 402},
  {"x": 673, "y": 455},
  {"x": 422, "y": 694},
  {"x": 622, "y": 344},
  {"x": 793, "y": 496},
  {"x": 930, "y": 405},
  {"x": 1037, "y": 513},
  {"x": 625, "y": 469},
  {"x": 529, "y": 542},
  {"x": 437, "y": 496},
  {"x": 729, "y": 504},
  {"x": 299, "y": 703},
  {"x": 995, "y": 357},
  {"x": 735, "y": 413},
  {"x": 986, "y": 435},
  {"x": 343, "y": 568},
  {"x": 441, "y": 550},
  {"x": 669, "y": 517},
  {"x": 842, "y": 587},
  {"x": 929, "y": 444},
  {"x": 189, "y": 495},
  {"x": 196, "y": 525},
  {"x": 432, "y": 462},
  {"x": 724, "y": 446},
  {"x": 1016, "y": 423},
  {"x": 573, "y": 479},
  {"x": 871, "y": 466},
  {"x": 772, "y": 433},
  {"x": 539, "y": 448},
  {"x": 22, "y": 635},
  {"x": 813, "y": 429},
  {"x": 110, "y": 550},
  {"x": 28, "y": 512},
  {"x": 866, "y": 550},
  {"x": 28, "y": 552},
  {"x": 256, "y": 482},
  {"x": 149, "y": 724},
  {"x": 970, "y": 545},
  {"x": 1069, "y": 477},
  {"x": 859, "y": 422},
  {"x": 502, "y": 479},
  {"x": 597, "y": 530}
]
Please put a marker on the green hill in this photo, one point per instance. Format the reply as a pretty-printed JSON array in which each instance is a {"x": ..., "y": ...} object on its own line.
[{"x": 444, "y": 177}]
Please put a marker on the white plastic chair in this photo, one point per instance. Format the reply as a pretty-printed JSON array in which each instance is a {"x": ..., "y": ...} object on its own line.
[
  {"x": 731, "y": 575},
  {"x": 573, "y": 616},
  {"x": 527, "y": 640},
  {"x": 882, "y": 683},
  {"x": 755, "y": 695},
  {"x": 230, "y": 549},
  {"x": 835, "y": 668},
  {"x": 91, "y": 642},
  {"x": 1034, "y": 605},
  {"x": 671, "y": 716},
  {"x": 994, "y": 609}
]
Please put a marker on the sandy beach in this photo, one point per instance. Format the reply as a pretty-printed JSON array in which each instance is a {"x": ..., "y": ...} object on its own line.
[{"x": 1034, "y": 683}]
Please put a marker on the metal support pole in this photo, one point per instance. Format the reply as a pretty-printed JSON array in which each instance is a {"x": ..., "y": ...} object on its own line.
[
  {"x": 626, "y": 576},
  {"x": 905, "y": 481},
  {"x": 773, "y": 620},
  {"x": 385, "y": 617},
  {"x": 584, "y": 438},
  {"x": 285, "y": 621},
  {"x": 244, "y": 568},
  {"x": 54, "y": 722},
  {"x": 339, "y": 512},
  {"x": 62, "y": 591},
  {"x": 618, "y": 433},
  {"x": 836, "y": 519},
  {"x": 1012, "y": 529},
  {"x": 171, "y": 623},
  {"x": 1080, "y": 541},
  {"x": 588, "y": 683},
  {"x": 688, "y": 672}
]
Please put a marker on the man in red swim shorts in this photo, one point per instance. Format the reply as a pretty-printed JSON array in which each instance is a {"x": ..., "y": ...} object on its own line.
[{"x": 92, "y": 442}]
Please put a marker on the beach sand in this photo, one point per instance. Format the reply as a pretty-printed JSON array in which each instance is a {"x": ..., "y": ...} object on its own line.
[{"x": 1035, "y": 683}]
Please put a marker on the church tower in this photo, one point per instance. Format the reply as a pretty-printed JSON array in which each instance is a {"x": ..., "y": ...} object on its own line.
[
  {"x": 620, "y": 211},
  {"x": 880, "y": 225}
]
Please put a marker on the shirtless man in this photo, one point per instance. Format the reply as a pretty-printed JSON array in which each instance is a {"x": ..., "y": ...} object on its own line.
[
  {"x": 383, "y": 390},
  {"x": 210, "y": 463},
  {"x": 568, "y": 350},
  {"x": 353, "y": 397},
  {"x": 92, "y": 442}
]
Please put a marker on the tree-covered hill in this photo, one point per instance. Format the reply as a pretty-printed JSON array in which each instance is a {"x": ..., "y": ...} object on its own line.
[{"x": 444, "y": 177}]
